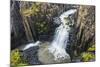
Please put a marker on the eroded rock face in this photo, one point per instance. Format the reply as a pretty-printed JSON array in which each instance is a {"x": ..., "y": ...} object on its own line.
[
  {"x": 48, "y": 58},
  {"x": 85, "y": 28}
]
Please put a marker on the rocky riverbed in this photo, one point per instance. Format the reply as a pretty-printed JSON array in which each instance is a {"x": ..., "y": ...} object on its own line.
[{"x": 38, "y": 55}]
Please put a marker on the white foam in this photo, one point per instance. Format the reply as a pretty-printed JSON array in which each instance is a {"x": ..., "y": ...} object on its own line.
[
  {"x": 58, "y": 45},
  {"x": 31, "y": 45}
]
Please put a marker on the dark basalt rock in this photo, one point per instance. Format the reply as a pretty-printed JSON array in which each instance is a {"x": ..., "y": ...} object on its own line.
[{"x": 31, "y": 56}]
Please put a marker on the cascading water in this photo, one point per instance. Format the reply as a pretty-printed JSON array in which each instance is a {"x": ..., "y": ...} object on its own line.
[
  {"x": 56, "y": 51},
  {"x": 58, "y": 45}
]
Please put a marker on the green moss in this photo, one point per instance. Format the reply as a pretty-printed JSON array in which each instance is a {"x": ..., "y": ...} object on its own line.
[
  {"x": 87, "y": 56},
  {"x": 44, "y": 22},
  {"x": 33, "y": 10},
  {"x": 16, "y": 59},
  {"x": 41, "y": 26},
  {"x": 92, "y": 48}
]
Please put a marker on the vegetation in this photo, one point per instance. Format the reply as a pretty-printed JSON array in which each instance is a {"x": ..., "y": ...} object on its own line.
[
  {"x": 89, "y": 55},
  {"x": 16, "y": 59},
  {"x": 33, "y": 10},
  {"x": 92, "y": 48},
  {"x": 41, "y": 27}
]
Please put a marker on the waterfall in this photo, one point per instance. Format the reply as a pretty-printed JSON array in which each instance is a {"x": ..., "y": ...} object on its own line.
[{"x": 58, "y": 45}]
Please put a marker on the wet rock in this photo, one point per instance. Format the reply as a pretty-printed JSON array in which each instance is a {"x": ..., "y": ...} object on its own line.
[
  {"x": 31, "y": 55},
  {"x": 48, "y": 58},
  {"x": 84, "y": 34}
]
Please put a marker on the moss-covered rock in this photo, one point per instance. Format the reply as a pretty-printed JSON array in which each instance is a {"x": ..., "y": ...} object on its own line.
[
  {"x": 16, "y": 59},
  {"x": 92, "y": 48},
  {"x": 87, "y": 56}
]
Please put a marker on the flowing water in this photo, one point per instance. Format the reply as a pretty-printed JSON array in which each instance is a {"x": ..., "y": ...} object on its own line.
[{"x": 61, "y": 37}]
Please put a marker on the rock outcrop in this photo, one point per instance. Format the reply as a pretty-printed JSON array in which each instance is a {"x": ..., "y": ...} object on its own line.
[{"x": 85, "y": 28}]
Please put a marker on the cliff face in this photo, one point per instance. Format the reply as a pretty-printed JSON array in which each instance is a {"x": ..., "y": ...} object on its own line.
[
  {"x": 17, "y": 29},
  {"x": 85, "y": 28}
]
